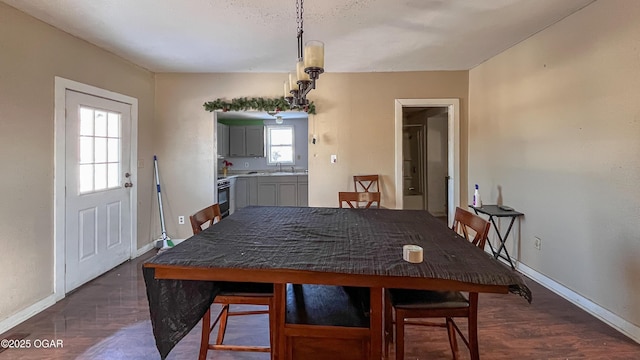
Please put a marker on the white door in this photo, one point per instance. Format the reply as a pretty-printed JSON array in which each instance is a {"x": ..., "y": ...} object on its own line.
[{"x": 97, "y": 199}]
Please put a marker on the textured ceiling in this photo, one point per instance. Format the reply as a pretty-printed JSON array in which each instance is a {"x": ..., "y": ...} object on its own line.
[{"x": 260, "y": 35}]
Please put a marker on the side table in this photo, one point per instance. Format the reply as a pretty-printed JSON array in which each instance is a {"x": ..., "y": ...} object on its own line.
[{"x": 494, "y": 211}]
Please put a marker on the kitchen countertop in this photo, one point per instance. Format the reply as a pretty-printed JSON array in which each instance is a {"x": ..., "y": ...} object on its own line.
[{"x": 264, "y": 173}]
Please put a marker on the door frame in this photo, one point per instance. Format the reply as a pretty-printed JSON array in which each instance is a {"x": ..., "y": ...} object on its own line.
[
  {"x": 59, "y": 182},
  {"x": 453, "y": 147}
]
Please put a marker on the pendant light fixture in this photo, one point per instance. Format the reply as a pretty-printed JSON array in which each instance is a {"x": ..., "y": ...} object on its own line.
[{"x": 308, "y": 68}]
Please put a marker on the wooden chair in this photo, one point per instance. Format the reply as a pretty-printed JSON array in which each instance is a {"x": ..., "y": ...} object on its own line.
[
  {"x": 365, "y": 183},
  {"x": 353, "y": 199},
  {"x": 232, "y": 294},
  {"x": 210, "y": 214},
  {"x": 422, "y": 304}
]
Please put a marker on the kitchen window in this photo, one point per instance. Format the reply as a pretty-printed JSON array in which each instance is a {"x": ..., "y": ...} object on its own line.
[{"x": 280, "y": 147}]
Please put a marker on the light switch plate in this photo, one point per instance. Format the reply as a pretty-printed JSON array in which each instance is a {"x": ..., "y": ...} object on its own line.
[{"x": 334, "y": 159}]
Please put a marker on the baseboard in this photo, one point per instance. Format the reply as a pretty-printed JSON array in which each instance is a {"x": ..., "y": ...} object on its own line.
[
  {"x": 609, "y": 318},
  {"x": 17, "y": 318},
  {"x": 144, "y": 249}
]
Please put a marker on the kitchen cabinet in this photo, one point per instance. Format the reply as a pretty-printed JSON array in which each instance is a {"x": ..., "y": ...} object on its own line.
[
  {"x": 246, "y": 192},
  {"x": 254, "y": 141},
  {"x": 303, "y": 190},
  {"x": 270, "y": 190},
  {"x": 246, "y": 141},
  {"x": 223, "y": 140},
  {"x": 237, "y": 141},
  {"x": 278, "y": 190}
]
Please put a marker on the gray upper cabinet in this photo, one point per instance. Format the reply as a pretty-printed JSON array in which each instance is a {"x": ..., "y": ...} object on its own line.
[
  {"x": 254, "y": 140},
  {"x": 223, "y": 140},
  {"x": 237, "y": 141},
  {"x": 246, "y": 141}
]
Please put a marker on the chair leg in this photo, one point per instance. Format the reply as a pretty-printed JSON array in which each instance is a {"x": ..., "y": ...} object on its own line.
[
  {"x": 204, "y": 340},
  {"x": 399, "y": 335},
  {"x": 452, "y": 338},
  {"x": 224, "y": 315}
]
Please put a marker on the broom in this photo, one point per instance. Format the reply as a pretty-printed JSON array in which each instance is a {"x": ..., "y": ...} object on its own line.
[{"x": 166, "y": 240}]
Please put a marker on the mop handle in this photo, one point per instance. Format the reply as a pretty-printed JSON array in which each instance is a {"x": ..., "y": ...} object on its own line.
[{"x": 155, "y": 165}]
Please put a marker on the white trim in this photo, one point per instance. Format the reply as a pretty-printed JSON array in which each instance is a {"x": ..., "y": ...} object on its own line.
[
  {"x": 61, "y": 86},
  {"x": 453, "y": 147},
  {"x": 22, "y": 315},
  {"x": 143, "y": 250},
  {"x": 611, "y": 319}
]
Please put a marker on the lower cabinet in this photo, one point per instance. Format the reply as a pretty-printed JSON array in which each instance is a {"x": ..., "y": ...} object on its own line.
[
  {"x": 303, "y": 190},
  {"x": 246, "y": 192},
  {"x": 288, "y": 190},
  {"x": 278, "y": 190}
]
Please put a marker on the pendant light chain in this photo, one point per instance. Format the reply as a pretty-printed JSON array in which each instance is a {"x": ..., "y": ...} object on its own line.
[{"x": 299, "y": 21}]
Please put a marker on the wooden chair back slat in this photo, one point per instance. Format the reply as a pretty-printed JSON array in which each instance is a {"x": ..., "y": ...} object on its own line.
[
  {"x": 366, "y": 183},
  {"x": 353, "y": 199}
]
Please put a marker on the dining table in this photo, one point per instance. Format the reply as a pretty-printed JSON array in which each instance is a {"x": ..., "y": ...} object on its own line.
[{"x": 350, "y": 248}]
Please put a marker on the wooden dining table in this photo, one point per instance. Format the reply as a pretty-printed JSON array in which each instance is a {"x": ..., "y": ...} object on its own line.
[{"x": 352, "y": 248}]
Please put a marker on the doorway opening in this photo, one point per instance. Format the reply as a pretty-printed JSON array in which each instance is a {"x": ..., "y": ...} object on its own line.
[{"x": 427, "y": 156}]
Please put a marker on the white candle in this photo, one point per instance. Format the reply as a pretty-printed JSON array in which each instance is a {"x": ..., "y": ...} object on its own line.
[
  {"x": 314, "y": 54},
  {"x": 301, "y": 74},
  {"x": 286, "y": 89}
]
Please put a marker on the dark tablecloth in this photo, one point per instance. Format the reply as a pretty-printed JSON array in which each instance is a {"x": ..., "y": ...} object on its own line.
[{"x": 347, "y": 241}]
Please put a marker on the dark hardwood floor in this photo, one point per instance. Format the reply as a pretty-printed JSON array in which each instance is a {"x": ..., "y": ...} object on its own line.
[{"x": 108, "y": 318}]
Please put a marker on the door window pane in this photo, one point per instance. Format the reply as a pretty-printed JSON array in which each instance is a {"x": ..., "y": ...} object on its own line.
[
  {"x": 86, "y": 121},
  {"x": 113, "y": 125},
  {"x": 113, "y": 174},
  {"x": 86, "y": 149},
  {"x": 86, "y": 178},
  {"x": 101, "y": 123},
  {"x": 101, "y": 176},
  {"x": 113, "y": 150}
]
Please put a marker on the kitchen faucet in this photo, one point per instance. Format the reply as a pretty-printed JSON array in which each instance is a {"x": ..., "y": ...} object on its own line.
[{"x": 279, "y": 167}]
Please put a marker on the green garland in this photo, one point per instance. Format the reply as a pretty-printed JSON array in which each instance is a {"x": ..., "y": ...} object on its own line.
[{"x": 259, "y": 104}]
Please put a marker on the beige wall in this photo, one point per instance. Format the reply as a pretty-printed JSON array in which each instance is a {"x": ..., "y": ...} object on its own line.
[
  {"x": 355, "y": 121},
  {"x": 31, "y": 54},
  {"x": 555, "y": 121}
]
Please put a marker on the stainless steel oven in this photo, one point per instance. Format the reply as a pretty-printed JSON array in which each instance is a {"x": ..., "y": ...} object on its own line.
[{"x": 224, "y": 191}]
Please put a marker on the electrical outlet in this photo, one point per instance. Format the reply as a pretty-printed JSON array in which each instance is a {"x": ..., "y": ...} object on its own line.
[
  {"x": 246, "y": 164},
  {"x": 180, "y": 220},
  {"x": 537, "y": 242}
]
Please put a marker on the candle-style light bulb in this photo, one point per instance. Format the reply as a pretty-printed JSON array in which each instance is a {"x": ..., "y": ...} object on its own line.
[
  {"x": 314, "y": 54},
  {"x": 301, "y": 74},
  {"x": 292, "y": 83},
  {"x": 286, "y": 89}
]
